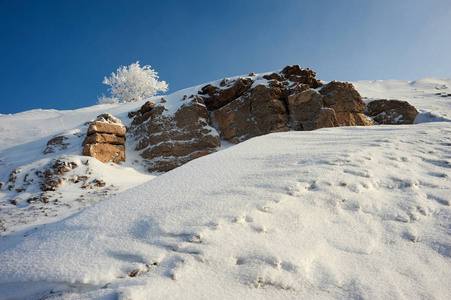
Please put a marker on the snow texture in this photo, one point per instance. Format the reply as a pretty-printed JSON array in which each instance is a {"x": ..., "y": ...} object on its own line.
[{"x": 336, "y": 213}]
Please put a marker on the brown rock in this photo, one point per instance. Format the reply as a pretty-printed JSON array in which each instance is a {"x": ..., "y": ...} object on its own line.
[
  {"x": 259, "y": 111},
  {"x": 181, "y": 148},
  {"x": 104, "y": 138},
  {"x": 273, "y": 76},
  {"x": 220, "y": 97},
  {"x": 190, "y": 114},
  {"x": 169, "y": 141},
  {"x": 51, "y": 177},
  {"x": 155, "y": 112},
  {"x": 307, "y": 108},
  {"x": 347, "y": 103},
  {"x": 209, "y": 90},
  {"x": 56, "y": 144},
  {"x": 326, "y": 118},
  {"x": 353, "y": 119},
  {"x": 233, "y": 121},
  {"x": 144, "y": 109},
  {"x": 342, "y": 97},
  {"x": 304, "y": 107},
  {"x": 297, "y": 74},
  {"x": 102, "y": 127},
  {"x": 148, "y": 106},
  {"x": 239, "y": 112},
  {"x": 105, "y": 152},
  {"x": 268, "y": 109},
  {"x": 391, "y": 112}
]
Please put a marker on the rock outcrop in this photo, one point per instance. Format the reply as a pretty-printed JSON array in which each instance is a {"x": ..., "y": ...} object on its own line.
[
  {"x": 238, "y": 109},
  {"x": 105, "y": 139},
  {"x": 292, "y": 99},
  {"x": 391, "y": 112},
  {"x": 167, "y": 142}
]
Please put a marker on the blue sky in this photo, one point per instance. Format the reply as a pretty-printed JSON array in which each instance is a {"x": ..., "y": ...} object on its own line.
[{"x": 55, "y": 54}]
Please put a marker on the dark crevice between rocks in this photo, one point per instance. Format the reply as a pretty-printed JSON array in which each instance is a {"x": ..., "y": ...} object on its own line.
[{"x": 284, "y": 101}]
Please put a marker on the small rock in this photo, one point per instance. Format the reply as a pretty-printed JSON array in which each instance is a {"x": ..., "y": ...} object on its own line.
[{"x": 391, "y": 112}]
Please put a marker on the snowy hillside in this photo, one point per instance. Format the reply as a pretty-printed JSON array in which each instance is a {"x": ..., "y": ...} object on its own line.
[{"x": 337, "y": 213}]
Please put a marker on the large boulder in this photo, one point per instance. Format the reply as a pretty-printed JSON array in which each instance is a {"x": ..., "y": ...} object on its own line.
[
  {"x": 391, "y": 112},
  {"x": 105, "y": 139},
  {"x": 342, "y": 97},
  {"x": 259, "y": 111},
  {"x": 304, "y": 109},
  {"x": 168, "y": 141}
]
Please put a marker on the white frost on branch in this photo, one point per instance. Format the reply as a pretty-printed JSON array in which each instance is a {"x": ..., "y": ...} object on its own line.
[{"x": 132, "y": 83}]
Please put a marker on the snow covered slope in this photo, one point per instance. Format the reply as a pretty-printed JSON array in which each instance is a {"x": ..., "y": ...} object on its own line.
[
  {"x": 431, "y": 96},
  {"x": 337, "y": 213},
  {"x": 334, "y": 213}
]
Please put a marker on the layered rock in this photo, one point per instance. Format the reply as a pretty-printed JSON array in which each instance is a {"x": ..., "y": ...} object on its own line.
[
  {"x": 291, "y": 99},
  {"x": 168, "y": 141},
  {"x": 391, "y": 112},
  {"x": 105, "y": 139}
]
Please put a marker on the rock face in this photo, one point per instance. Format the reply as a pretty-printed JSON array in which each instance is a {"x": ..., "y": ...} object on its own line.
[
  {"x": 167, "y": 141},
  {"x": 292, "y": 99},
  {"x": 391, "y": 112},
  {"x": 239, "y": 109},
  {"x": 105, "y": 139}
]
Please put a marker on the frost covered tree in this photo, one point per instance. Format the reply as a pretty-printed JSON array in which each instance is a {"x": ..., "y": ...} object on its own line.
[{"x": 132, "y": 83}]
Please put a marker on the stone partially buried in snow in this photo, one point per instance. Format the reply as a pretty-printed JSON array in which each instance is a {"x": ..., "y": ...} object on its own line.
[
  {"x": 391, "y": 112},
  {"x": 56, "y": 144}
]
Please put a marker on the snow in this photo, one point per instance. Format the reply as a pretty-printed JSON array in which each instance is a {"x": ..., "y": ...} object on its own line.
[
  {"x": 336, "y": 213},
  {"x": 420, "y": 93}
]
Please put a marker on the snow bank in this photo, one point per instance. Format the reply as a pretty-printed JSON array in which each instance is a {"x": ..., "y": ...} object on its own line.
[{"x": 358, "y": 212}]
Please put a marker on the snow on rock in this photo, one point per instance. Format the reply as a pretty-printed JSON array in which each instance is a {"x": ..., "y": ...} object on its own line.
[
  {"x": 166, "y": 142},
  {"x": 237, "y": 110},
  {"x": 391, "y": 112},
  {"x": 281, "y": 215},
  {"x": 243, "y": 108}
]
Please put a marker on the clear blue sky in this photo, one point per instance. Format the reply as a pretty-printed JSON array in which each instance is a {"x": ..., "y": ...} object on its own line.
[{"x": 55, "y": 53}]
